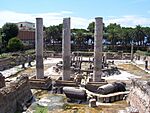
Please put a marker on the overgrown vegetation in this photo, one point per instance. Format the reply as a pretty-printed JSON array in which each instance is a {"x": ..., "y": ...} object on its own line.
[
  {"x": 15, "y": 44},
  {"x": 41, "y": 109},
  {"x": 143, "y": 53},
  {"x": 9, "y": 30}
]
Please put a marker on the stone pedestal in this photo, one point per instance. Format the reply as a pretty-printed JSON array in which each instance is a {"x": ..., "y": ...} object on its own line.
[
  {"x": 98, "y": 49},
  {"x": 66, "y": 49},
  {"x": 39, "y": 48},
  {"x": 44, "y": 83}
]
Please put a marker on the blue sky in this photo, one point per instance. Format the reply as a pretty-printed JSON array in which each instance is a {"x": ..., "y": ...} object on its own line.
[{"x": 82, "y": 12}]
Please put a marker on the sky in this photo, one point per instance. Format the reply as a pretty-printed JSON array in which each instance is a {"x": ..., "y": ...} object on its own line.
[{"x": 127, "y": 13}]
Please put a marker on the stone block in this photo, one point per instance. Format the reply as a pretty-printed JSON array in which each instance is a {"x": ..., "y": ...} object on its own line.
[
  {"x": 44, "y": 83},
  {"x": 92, "y": 103}
]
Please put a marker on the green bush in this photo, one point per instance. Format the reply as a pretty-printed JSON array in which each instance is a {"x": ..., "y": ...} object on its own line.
[{"x": 15, "y": 44}]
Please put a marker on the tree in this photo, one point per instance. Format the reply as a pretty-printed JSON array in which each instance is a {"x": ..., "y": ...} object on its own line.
[
  {"x": 80, "y": 37},
  {"x": 9, "y": 30},
  {"x": 127, "y": 35},
  {"x": 54, "y": 34},
  {"x": 91, "y": 27},
  {"x": 114, "y": 33},
  {"x": 146, "y": 31},
  {"x": 15, "y": 44},
  {"x": 138, "y": 35}
]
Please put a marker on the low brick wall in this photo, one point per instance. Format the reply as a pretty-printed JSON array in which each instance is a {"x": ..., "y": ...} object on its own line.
[
  {"x": 118, "y": 56},
  {"x": 14, "y": 96},
  {"x": 139, "y": 96},
  {"x": 7, "y": 63}
]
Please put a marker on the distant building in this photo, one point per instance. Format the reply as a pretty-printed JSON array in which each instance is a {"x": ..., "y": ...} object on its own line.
[
  {"x": 27, "y": 37},
  {"x": 26, "y": 25},
  {"x": 26, "y": 33}
]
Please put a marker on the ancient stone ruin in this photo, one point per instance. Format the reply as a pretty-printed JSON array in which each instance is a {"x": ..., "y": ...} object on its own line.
[
  {"x": 39, "y": 81},
  {"x": 98, "y": 49},
  {"x": 66, "y": 49},
  {"x": 75, "y": 82},
  {"x": 15, "y": 96},
  {"x": 2, "y": 81},
  {"x": 139, "y": 96},
  {"x": 77, "y": 86}
]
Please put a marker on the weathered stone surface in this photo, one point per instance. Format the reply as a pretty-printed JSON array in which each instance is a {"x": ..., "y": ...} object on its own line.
[
  {"x": 92, "y": 103},
  {"x": 19, "y": 59},
  {"x": 44, "y": 83},
  {"x": 39, "y": 48},
  {"x": 15, "y": 95},
  {"x": 66, "y": 49},
  {"x": 98, "y": 49},
  {"x": 2, "y": 81},
  {"x": 139, "y": 96}
]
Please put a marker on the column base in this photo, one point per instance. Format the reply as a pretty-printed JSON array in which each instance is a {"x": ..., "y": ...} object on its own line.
[{"x": 45, "y": 83}]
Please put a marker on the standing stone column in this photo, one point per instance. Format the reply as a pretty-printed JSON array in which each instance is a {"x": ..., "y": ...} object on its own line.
[
  {"x": 98, "y": 49},
  {"x": 132, "y": 51},
  {"x": 39, "y": 48},
  {"x": 66, "y": 49},
  {"x": 105, "y": 58}
]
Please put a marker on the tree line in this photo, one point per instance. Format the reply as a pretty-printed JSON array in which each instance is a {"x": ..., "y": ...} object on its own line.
[{"x": 114, "y": 35}]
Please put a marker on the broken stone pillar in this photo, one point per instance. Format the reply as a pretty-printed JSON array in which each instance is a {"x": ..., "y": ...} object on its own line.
[
  {"x": 29, "y": 60},
  {"x": 66, "y": 47},
  {"x": 105, "y": 57},
  {"x": 98, "y": 49},
  {"x": 2, "y": 81},
  {"x": 146, "y": 63},
  {"x": 39, "y": 48},
  {"x": 23, "y": 61},
  {"x": 132, "y": 56}
]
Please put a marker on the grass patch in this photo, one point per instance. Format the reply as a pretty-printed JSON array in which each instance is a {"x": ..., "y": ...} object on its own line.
[
  {"x": 135, "y": 70},
  {"x": 41, "y": 109},
  {"x": 132, "y": 69}
]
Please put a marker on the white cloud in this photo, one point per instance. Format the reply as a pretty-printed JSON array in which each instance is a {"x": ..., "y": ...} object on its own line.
[
  {"x": 48, "y": 18},
  {"x": 129, "y": 21},
  {"x": 56, "y": 18},
  {"x": 66, "y": 12}
]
